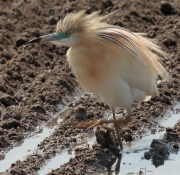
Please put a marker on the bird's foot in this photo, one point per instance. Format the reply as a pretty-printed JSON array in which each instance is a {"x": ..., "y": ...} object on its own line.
[
  {"x": 88, "y": 125},
  {"x": 92, "y": 124}
]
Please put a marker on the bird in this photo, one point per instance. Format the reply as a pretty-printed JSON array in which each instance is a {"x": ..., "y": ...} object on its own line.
[{"x": 117, "y": 65}]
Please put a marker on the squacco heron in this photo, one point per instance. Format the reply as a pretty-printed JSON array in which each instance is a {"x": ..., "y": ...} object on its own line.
[{"x": 115, "y": 64}]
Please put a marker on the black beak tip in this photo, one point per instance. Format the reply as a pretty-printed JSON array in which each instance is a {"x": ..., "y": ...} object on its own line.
[{"x": 37, "y": 40}]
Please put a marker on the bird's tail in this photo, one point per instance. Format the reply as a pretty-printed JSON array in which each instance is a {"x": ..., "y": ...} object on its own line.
[
  {"x": 135, "y": 44},
  {"x": 155, "y": 53}
]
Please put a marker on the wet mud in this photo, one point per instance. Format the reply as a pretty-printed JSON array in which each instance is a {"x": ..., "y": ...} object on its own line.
[
  {"x": 160, "y": 149},
  {"x": 40, "y": 97}
]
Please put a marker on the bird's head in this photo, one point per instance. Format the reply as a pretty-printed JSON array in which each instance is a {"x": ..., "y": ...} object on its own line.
[{"x": 74, "y": 29}]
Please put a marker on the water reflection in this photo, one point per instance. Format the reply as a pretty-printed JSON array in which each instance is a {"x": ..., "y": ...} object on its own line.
[{"x": 132, "y": 159}]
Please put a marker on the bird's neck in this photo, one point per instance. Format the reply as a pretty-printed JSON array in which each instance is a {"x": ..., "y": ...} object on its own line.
[{"x": 84, "y": 62}]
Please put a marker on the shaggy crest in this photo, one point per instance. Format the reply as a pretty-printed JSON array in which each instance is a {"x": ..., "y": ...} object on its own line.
[
  {"x": 81, "y": 21},
  {"x": 129, "y": 41}
]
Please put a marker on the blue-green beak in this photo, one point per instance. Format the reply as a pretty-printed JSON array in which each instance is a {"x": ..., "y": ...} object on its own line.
[{"x": 47, "y": 38}]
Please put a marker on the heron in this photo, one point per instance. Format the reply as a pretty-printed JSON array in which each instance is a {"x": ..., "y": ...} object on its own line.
[{"x": 113, "y": 63}]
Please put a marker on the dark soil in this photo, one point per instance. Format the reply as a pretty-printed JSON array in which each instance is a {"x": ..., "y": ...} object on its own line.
[
  {"x": 35, "y": 78},
  {"x": 160, "y": 149}
]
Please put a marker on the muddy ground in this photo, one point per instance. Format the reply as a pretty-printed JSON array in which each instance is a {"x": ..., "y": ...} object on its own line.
[{"x": 36, "y": 79}]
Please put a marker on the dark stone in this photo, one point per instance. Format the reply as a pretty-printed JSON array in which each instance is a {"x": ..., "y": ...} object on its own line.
[
  {"x": 81, "y": 113},
  {"x": 159, "y": 151},
  {"x": 20, "y": 42},
  {"x": 166, "y": 7},
  {"x": 147, "y": 155},
  {"x": 106, "y": 139},
  {"x": 7, "y": 100},
  {"x": 169, "y": 42}
]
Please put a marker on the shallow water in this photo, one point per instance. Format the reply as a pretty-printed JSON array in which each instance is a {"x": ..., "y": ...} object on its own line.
[
  {"x": 57, "y": 161},
  {"x": 28, "y": 147},
  {"x": 29, "y": 144},
  {"x": 132, "y": 161}
]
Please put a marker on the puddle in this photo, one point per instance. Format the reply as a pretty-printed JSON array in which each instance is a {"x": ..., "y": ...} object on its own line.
[
  {"x": 29, "y": 145},
  {"x": 65, "y": 156},
  {"x": 56, "y": 162},
  {"x": 141, "y": 144},
  {"x": 159, "y": 132},
  {"x": 91, "y": 139},
  {"x": 132, "y": 162}
]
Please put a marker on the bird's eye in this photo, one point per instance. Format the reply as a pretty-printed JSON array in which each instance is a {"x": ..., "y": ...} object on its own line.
[{"x": 67, "y": 33}]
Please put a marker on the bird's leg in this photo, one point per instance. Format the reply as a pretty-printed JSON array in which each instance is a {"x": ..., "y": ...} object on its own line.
[
  {"x": 92, "y": 124},
  {"x": 89, "y": 125},
  {"x": 116, "y": 125}
]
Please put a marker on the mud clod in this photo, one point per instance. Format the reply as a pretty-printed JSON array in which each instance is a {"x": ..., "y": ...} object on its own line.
[
  {"x": 81, "y": 113},
  {"x": 107, "y": 139},
  {"x": 20, "y": 42},
  {"x": 159, "y": 151},
  {"x": 162, "y": 148},
  {"x": 7, "y": 100},
  {"x": 166, "y": 7}
]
